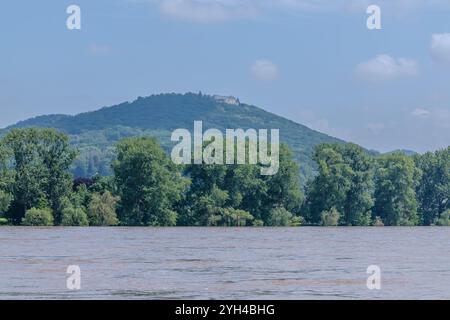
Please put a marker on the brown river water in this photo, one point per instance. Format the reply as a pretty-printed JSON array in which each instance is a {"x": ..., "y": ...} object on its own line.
[{"x": 225, "y": 263}]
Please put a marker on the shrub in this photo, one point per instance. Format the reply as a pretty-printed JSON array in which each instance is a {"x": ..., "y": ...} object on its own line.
[
  {"x": 330, "y": 217},
  {"x": 72, "y": 216},
  {"x": 235, "y": 217},
  {"x": 378, "y": 222},
  {"x": 407, "y": 222},
  {"x": 5, "y": 201},
  {"x": 444, "y": 220},
  {"x": 279, "y": 217},
  {"x": 258, "y": 223},
  {"x": 214, "y": 220},
  {"x": 3, "y": 221},
  {"x": 38, "y": 217},
  {"x": 297, "y": 221},
  {"x": 102, "y": 210}
]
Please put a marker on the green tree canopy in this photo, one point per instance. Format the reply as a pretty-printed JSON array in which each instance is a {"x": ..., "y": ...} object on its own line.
[
  {"x": 218, "y": 189},
  {"x": 6, "y": 179},
  {"x": 344, "y": 181},
  {"x": 330, "y": 218},
  {"x": 395, "y": 183},
  {"x": 40, "y": 159},
  {"x": 433, "y": 191},
  {"x": 73, "y": 215},
  {"x": 149, "y": 184},
  {"x": 38, "y": 217},
  {"x": 102, "y": 210}
]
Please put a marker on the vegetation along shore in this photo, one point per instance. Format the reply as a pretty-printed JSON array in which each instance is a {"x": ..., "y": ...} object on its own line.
[{"x": 351, "y": 187}]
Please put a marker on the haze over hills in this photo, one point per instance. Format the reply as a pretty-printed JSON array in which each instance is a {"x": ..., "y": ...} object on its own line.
[{"x": 95, "y": 133}]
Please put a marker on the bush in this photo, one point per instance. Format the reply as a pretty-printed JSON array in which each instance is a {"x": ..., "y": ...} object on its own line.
[
  {"x": 38, "y": 217},
  {"x": 235, "y": 217},
  {"x": 102, "y": 210},
  {"x": 279, "y": 217},
  {"x": 407, "y": 222},
  {"x": 74, "y": 217},
  {"x": 5, "y": 201},
  {"x": 444, "y": 220},
  {"x": 378, "y": 222},
  {"x": 297, "y": 221},
  {"x": 258, "y": 223},
  {"x": 3, "y": 221},
  {"x": 330, "y": 217}
]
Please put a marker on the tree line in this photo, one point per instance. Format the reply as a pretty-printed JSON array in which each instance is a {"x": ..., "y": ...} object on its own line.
[{"x": 351, "y": 188}]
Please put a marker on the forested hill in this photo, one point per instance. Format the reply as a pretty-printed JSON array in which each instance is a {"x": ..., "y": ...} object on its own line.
[{"x": 95, "y": 133}]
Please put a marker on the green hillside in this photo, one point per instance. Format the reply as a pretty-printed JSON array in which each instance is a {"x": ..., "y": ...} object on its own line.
[{"x": 95, "y": 133}]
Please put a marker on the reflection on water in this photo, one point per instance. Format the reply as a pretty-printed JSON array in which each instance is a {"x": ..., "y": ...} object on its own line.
[{"x": 220, "y": 263}]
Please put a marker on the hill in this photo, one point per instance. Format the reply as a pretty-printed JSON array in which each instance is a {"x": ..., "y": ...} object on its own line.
[
  {"x": 404, "y": 151},
  {"x": 95, "y": 133}
]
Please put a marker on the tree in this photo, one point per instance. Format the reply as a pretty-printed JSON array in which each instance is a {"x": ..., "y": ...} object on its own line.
[
  {"x": 102, "y": 210},
  {"x": 216, "y": 188},
  {"x": 344, "y": 181},
  {"x": 73, "y": 215},
  {"x": 377, "y": 222},
  {"x": 444, "y": 219},
  {"x": 78, "y": 182},
  {"x": 40, "y": 160},
  {"x": 38, "y": 217},
  {"x": 6, "y": 180},
  {"x": 235, "y": 217},
  {"x": 207, "y": 208},
  {"x": 359, "y": 198},
  {"x": 205, "y": 195},
  {"x": 81, "y": 196},
  {"x": 433, "y": 191},
  {"x": 283, "y": 189},
  {"x": 279, "y": 217},
  {"x": 101, "y": 184},
  {"x": 246, "y": 188},
  {"x": 329, "y": 188},
  {"x": 395, "y": 197},
  {"x": 5, "y": 201},
  {"x": 149, "y": 184},
  {"x": 330, "y": 218}
]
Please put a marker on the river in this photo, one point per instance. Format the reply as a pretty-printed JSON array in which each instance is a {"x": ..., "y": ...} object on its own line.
[{"x": 225, "y": 263}]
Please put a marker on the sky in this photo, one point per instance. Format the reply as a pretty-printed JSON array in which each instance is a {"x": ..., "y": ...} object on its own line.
[{"x": 312, "y": 61}]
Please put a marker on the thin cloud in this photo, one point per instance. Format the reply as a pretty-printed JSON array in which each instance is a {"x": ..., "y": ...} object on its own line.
[
  {"x": 440, "y": 47},
  {"x": 418, "y": 112},
  {"x": 385, "y": 67},
  {"x": 217, "y": 11},
  {"x": 357, "y": 5},
  {"x": 206, "y": 11},
  {"x": 264, "y": 70}
]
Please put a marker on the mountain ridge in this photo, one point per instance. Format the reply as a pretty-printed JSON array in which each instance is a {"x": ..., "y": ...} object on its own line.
[{"x": 95, "y": 132}]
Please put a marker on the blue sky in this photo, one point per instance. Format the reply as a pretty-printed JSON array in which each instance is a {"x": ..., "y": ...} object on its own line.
[{"x": 313, "y": 61}]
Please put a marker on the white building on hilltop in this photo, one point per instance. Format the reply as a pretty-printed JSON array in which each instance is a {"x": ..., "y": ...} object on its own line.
[{"x": 227, "y": 99}]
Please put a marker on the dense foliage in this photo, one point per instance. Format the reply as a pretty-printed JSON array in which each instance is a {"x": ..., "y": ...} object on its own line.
[
  {"x": 36, "y": 163},
  {"x": 350, "y": 188},
  {"x": 236, "y": 194},
  {"x": 38, "y": 217},
  {"x": 149, "y": 184},
  {"x": 96, "y": 133},
  {"x": 344, "y": 182}
]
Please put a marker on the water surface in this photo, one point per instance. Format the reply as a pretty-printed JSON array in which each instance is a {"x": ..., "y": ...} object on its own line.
[{"x": 225, "y": 263}]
